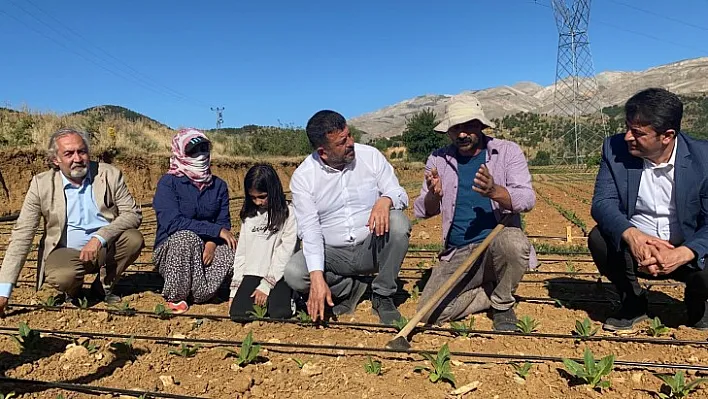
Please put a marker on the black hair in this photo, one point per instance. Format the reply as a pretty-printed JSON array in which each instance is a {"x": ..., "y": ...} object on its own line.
[
  {"x": 262, "y": 177},
  {"x": 658, "y": 108},
  {"x": 323, "y": 123}
]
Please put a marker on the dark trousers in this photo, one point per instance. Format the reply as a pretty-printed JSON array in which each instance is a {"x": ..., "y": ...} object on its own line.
[
  {"x": 620, "y": 268},
  {"x": 278, "y": 299}
]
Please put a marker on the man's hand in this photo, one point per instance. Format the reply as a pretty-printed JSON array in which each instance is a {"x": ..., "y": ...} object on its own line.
[
  {"x": 434, "y": 183},
  {"x": 208, "y": 254},
  {"x": 665, "y": 261},
  {"x": 259, "y": 298},
  {"x": 229, "y": 238},
  {"x": 319, "y": 292},
  {"x": 89, "y": 252},
  {"x": 3, "y": 305},
  {"x": 378, "y": 221},
  {"x": 643, "y": 246},
  {"x": 484, "y": 182}
]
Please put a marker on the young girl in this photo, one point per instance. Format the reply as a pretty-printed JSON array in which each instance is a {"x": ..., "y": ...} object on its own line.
[{"x": 266, "y": 242}]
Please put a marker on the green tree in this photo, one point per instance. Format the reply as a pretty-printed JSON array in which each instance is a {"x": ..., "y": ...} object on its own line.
[
  {"x": 542, "y": 158},
  {"x": 419, "y": 136}
]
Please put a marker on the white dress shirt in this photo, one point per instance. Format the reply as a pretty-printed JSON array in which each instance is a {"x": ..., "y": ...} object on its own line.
[
  {"x": 332, "y": 207},
  {"x": 655, "y": 212}
]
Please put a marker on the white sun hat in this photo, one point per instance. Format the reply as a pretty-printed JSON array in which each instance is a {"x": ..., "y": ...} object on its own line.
[{"x": 461, "y": 111}]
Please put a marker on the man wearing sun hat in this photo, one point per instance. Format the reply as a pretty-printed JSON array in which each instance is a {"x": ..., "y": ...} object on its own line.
[{"x": 473, "y": 182}]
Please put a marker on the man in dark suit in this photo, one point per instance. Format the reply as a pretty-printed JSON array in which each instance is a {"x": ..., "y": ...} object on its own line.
[{"x": 651, "y": 208}]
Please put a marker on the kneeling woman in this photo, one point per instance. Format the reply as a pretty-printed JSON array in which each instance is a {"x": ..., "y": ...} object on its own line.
[
  {"x": 265, "y": 244},
  {"x": 194, "y": 248}
]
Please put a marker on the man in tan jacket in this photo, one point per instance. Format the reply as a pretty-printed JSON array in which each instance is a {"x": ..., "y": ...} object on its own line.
[{"x": 90, "y": 223}]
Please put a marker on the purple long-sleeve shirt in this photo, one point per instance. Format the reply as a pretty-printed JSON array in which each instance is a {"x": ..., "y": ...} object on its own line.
[{"x": 508, "y": 167}]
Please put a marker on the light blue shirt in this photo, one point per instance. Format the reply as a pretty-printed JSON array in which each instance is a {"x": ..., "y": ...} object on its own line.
[{"x": 82, "y": 219}]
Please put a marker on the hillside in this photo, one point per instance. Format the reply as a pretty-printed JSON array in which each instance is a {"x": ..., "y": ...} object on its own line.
[
  {"x": 118, "y": 111},
  {"x": 683, "y": 77}
]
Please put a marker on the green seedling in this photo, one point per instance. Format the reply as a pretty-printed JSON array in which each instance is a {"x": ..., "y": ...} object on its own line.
[
  {"x": 591, "y": 372},
  {"x": 60, "y": 396},
  {"x": 7, "y": 395},
  {"x": 415, "y": 293},
  {"x": 584, "y": 328},
  {"x": 197, "y": 323},
  {"x": 400, "y": 323},
  {"x": 90, "y": 346},
  {"x": 162, "y": 312},
  {"x": 657, "y": 328},
  {"x": 259, "y": 311},
  {"x": 559, "y": 303},
  {"x": 83, "y": 303},
  {"x": 124, "y": 309},
  {"x": 522, "y": 370},
  {"x": 124, "y": 348},
  {"x": 27, "y": 338},
  {"x": 248, "y": 352},
  {"x": 303, "y": 317},
  {"x": 50, "y": 302},
  {"x": 185, "y": 350},
  {"x": 463, "y": 329},
  {"x": 440, "y": 370},
  {"x": 570, "y": 267},
  {"x": 677, "y": 385},
  {"x": 372, "y": 366},
  {"x": 420, "y": 265},
  {"x": 300, "y": 363},
  {"x": 527, "y": 324}
]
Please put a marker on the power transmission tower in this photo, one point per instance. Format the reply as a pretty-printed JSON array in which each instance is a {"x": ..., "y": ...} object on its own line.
[
  {"x": 219, "y": 116},
  {"x": 576, "y": 94}
]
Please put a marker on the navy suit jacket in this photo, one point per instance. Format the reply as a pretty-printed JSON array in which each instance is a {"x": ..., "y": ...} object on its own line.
[{"x": 617, "y": 187}]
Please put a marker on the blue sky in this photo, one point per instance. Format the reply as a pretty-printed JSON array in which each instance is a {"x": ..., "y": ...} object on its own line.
[{"x": 271, "y": 62}]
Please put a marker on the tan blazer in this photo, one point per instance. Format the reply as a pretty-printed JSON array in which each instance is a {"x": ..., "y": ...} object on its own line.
[{"x": 45, "y": 198}]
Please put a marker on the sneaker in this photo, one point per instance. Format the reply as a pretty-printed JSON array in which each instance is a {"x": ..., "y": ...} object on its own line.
[
  {"x": 697, "y": 314},
  {"x": 632, "y": 312},
  {"x": 178, "y": 307},
  {"x": 504, "y": 320},
  {"x": 348, "y": 304},
  {"x": 384, "y": 307}
]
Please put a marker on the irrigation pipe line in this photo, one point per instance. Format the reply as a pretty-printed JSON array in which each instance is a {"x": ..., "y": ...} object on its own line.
[
  {"x": 93, "y": 389},
  {"x": 365, "y": 350},
  {"x": 419, "y": 328}
]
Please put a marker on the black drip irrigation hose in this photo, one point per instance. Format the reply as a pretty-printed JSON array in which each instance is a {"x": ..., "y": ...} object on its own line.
[
  {"x": 420, "y": 328},
  {"x": 481, "y": 355},
  {"x": 93, "y": 389}
]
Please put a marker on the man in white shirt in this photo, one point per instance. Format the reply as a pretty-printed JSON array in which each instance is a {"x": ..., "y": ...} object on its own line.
[
  {"x": 349, "y": 212},
  {"x": 651, "y": 208}
]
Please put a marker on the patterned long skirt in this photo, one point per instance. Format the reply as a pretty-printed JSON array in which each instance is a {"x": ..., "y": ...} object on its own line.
[{"x": 179, "y": 261}]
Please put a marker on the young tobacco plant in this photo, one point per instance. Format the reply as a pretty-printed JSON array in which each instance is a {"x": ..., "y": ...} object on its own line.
[
  {"x": 124, "y": 348},
  {"x": 372, "y": 366},
  {"x": 83, "y": 303},
  {"x": 259, "y": 312},
  {"x": 591, "y": 372},
  {"x": 7, "y": 395},
  {"x": 300, "y": 363},
  {"x": 27, "y": 338},
  {"x": 400, "y": 323},
  {"x": 527, "y": 324},
  {"x": 677, "y": 385},
  {"x": 162, "y": 312},
  {"x": 124, "y": 309},
  {"x": 440, "y": 370},
  {"x": 657, "y": 328},
  {"x": 522, "y": 370},
  {"x": 303, "y": 317},
  {"x": 185, "y": 350},
  {"x": 463, "y": 329},
  {"x": 248, "y": 352},
  {"x": 584, "y": 328}
]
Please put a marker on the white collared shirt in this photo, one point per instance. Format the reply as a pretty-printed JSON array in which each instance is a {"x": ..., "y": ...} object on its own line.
[
  {"x": 332, "y": 207},
  {"x": 655, "y": 212}
]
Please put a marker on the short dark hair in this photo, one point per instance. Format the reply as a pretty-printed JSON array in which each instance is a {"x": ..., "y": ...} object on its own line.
[
  {"x": 321, "y": 124},
  {"x": 262, "y": 177},
  {"x": 658, "y": 108}
]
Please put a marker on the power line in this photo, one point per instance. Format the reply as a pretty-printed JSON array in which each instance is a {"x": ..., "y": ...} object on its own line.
[
  {"x": 666, "y": 17},
  {"x": 146, "y": 84}
]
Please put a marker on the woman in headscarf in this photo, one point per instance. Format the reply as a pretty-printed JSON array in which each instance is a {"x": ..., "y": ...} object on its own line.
[{"x": 194, "y": 248}]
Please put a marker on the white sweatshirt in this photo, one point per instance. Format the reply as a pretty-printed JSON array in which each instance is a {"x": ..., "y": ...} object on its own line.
[{"x": 262, "y": 253}]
